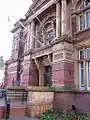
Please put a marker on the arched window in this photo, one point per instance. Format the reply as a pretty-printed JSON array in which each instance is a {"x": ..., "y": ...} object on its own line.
[{"x": 50, "y": 26}]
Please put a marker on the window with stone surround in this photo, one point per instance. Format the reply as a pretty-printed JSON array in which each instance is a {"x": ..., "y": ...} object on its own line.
[
  {"x": 83, "y": 15},
  {"x": 80, "y": 22},
  {"x": 84, "y": 68},
  {"x": 87, "y": 19}
]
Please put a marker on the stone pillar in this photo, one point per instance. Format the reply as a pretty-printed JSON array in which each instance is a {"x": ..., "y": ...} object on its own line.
[
  {"x": 33, "y": 74},
  {"x": 32, "y": 39},
  {"x": 62, "y": 67},
  {"x": 40, "y": 67},
  {"x": 58, "y": 17},
  {"x": 28, "y": 38},
  {"x": 53, "y": 27},
  {"x": 30, "y": 72},
  {"x": 36, "y": 43},
  {"x": 64, "y": 17}
]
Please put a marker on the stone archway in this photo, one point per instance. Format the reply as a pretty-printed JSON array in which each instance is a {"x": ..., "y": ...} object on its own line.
[{"x": 44, "y": 68}]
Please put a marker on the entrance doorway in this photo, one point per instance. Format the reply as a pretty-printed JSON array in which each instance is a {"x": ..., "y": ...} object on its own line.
[{"x": 48, "y": 76}]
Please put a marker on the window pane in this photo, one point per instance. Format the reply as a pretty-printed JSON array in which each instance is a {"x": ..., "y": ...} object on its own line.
[
  {"x": 87, "y": 19},
  {"x": 80, "y": 22},
  {"x": 88, "y": 74},
  {"x": 88, "y": 53},
  {"x": 81, "y": 74},
  {"x": 81, "y": 54},
  {"x": 86, "y": 2},
  {"x": 82, "y": 80}
]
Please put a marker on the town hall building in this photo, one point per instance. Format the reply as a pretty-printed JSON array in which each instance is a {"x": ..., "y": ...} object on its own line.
[{"x": 53, "y": 49}]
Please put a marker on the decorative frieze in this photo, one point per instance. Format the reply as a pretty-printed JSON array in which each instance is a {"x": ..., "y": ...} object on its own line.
[
  {"x": 62, "y": 46},
  {"x": 68, "y": 56},
  {"x": 42, "y": 52},
  {"x": 58, "y": 56},
  {"x": 63, "y": 56}
]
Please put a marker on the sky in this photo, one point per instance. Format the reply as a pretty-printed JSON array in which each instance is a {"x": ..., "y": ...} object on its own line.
[{"x": 9, "y": 8}]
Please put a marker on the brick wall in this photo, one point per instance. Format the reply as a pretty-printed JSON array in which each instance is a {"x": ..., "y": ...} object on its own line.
[
  {"x": 29, "y": 77},
  {"x": 63, "y": 100},
  {"x": 63, "y": 74}
]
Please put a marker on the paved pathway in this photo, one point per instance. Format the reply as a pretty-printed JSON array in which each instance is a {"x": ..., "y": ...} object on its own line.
[{"x": 2, "y": 103}]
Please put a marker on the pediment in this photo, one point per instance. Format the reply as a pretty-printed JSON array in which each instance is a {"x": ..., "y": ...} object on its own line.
[{"x": 36, "y": 5}]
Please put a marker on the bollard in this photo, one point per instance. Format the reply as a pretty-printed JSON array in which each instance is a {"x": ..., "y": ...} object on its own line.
[{"x": 7, "y": 115}]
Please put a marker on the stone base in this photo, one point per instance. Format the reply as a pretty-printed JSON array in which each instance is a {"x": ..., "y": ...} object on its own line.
[
  {"x": 37, "y": 109},
  {"x": 39, "y": 100}
]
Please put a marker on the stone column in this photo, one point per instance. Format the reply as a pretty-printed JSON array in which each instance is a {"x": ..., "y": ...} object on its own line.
[
  {"x": 64, "y": 17},
  {"x": 58, "y": 17},
  {"x": 32, "y": 40},
  {"x": 40, "y": 67},
  {"x": 62, "y": 65},
  {"x": 36, "y": 43},
  {"x": 28, "y": 38},
  {"x": 53, "y": 27}
]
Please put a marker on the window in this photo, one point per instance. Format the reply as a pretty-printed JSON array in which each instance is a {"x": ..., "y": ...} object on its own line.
[
  {"x": 84, "y": 68},
  {"x": 86, "y": 3},
  {"x": 88, "y": 53},
  {"x": 87, "y": 19},
  {"x": 88, "y": 74},
  {"x": 81, "y": 75},
  {"x": 80, "y": 7},
  {"x": 50, "y": 34},
  {"x": 80, "y": 22},
  {"x": 84, "y": 15},
  {"x": 81, "y": 54}
]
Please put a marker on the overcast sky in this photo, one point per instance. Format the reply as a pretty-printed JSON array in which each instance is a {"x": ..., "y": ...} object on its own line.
[{"x": 16, "y": 8}]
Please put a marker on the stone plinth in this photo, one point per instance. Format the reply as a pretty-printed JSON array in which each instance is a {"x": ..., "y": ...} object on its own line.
[{"x": 39, "y": 100}]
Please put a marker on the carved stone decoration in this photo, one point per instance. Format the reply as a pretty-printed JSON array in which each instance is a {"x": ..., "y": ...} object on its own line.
[
  {"x": 58, "y": 56},
  {"x": 42, "y": 53}
]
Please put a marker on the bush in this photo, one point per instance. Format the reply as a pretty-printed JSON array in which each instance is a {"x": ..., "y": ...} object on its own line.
[{"x": 69, "y": 115}]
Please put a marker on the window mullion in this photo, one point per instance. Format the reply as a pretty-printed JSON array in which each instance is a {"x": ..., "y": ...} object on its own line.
[
  {"x": 84, "y": 66},
  {"x": 85, "y": 81}
]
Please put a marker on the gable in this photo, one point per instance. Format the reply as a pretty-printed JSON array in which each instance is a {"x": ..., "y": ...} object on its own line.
[{"x": 36, "y": 5}]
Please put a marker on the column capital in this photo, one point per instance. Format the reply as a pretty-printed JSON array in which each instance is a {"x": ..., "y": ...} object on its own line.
[{"x": 56, "y": 1}]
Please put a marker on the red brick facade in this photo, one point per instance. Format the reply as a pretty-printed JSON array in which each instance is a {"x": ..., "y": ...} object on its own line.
[
  {"x": 63, "y": 74},
  {"x": 64, "y": 100},
  {"x": 54, "y": 45}
]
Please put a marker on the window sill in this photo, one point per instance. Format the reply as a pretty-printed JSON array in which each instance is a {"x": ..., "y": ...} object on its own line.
[
  {"x": 82, "y": 88},
  {"x": 81, "y": 31}
]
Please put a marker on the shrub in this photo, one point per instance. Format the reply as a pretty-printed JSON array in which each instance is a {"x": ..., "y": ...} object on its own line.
[{"x": 69, "y": 115}]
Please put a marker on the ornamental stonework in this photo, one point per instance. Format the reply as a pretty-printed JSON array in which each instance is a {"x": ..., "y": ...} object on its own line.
[{"x": 42, "y": 53}]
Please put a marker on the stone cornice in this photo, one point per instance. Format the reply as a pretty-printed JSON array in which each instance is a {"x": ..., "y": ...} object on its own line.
[
  {"x": 39, "y": 10},
  {"x": 12, "y": 61},
  {"x": 17, "y": 25}
]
